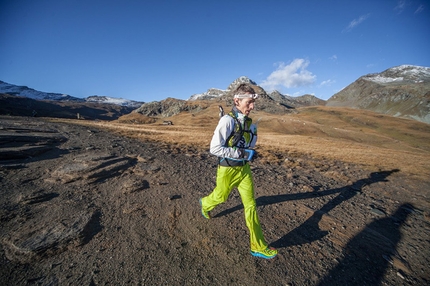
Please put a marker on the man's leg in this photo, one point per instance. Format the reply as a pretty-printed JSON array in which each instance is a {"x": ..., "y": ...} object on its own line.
[
  {"x": 246, "y": 190},
  {"x": 224, "y": 185}
]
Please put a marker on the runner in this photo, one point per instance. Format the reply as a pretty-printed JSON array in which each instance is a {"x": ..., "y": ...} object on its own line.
[{"x": 232, "y": 141}]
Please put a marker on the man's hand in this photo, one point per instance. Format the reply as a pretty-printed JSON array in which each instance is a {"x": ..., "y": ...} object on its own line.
[
  {"x": 241, "y": 152},
  {"x": 246, "y": 154}
]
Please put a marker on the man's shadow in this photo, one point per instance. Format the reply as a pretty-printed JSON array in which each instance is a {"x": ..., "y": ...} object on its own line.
[
  {"x": 309, "y": 231},
  {"x": 366, "y": 256}
]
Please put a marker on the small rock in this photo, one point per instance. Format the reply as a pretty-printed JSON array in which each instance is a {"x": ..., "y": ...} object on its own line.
[{"x": 377, "y": 211}]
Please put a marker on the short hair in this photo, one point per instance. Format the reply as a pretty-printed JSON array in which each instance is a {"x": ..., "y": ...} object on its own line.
[{"x": 244, "y": 88}]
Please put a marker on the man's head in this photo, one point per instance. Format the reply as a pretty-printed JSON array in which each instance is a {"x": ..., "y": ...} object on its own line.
[{"x": 244, "y": 98}]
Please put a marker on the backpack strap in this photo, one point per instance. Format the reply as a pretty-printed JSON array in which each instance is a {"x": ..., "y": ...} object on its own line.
[{"x": 237, "y": 132}]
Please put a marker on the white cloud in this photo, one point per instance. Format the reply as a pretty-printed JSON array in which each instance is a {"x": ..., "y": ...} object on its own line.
[
  {"x": 292, "y": 75},
  {"x": 354, "y": 23},
  {"x": 400, "y": 6},
  {"x": 327, "y": 83},
  {"x": 419, "y": 9},
  {"x": 333, "y": 58},
  {"x": 298, "y": 93}
]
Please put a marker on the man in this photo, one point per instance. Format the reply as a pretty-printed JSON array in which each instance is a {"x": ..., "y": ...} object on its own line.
[{"x": 231, "y": 143}]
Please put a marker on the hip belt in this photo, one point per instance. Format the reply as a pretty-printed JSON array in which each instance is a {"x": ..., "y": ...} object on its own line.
[{"x": 226, "y": 162}]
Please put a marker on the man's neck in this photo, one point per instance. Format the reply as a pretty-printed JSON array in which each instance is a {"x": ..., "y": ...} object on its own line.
[{"x": 238, "y": 113}]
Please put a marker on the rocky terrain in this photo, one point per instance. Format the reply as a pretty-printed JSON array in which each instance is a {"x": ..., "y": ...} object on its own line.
[{"x": 82, "y": 205}]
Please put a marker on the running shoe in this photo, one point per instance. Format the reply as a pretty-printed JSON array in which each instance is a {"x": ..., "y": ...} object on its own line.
[
  {"x": 268, "y": 253},
  {"x": 205, "y": 214}
]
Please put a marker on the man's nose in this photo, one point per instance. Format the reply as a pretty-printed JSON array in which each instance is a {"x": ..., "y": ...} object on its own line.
[{"x": 251, "y": 106}]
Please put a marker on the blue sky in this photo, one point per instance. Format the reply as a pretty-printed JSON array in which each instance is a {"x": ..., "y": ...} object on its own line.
[{"x": 151, "y": 50}]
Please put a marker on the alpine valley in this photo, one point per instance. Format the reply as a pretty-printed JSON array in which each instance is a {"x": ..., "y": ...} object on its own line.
[{"x": 402, "y": 91}]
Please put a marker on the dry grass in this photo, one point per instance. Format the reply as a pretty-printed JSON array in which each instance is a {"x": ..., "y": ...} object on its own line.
[{"x": 360, "y": 137}]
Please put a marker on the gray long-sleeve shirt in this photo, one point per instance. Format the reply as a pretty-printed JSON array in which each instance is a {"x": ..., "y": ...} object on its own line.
[{"x": 223, "y": 130}]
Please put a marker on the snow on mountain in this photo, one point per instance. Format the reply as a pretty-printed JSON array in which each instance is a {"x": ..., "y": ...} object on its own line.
[
  {"x": 34, "y": 94},
  {"x": 209, "y": 94},
  {"x": 216, "y": 93},
  {"x": 113, "y": 100},
  {"x": 401, "y": 74},
  {"x": 401, "y": 91},
  {"x": 242, "y": 79},
  {"x": 40, "y": 95}
]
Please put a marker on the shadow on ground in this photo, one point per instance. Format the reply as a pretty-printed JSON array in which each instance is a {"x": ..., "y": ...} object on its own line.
[{"x": 370, "y": 252}]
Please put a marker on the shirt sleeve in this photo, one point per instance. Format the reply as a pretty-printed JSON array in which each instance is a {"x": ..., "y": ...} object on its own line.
[{"x": 222, "y": 132}]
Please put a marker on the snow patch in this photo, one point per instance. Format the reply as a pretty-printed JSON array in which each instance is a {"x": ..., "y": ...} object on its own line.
[
  {"x": 416, "y": 74},
  {"x": 40, "y": 95},
  {"x": 382, "y": 79}
]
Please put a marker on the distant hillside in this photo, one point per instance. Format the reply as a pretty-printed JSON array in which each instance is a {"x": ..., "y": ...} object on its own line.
[
  {"x": 170, "y": 106},
  {"x": 402, "y": 91},
  {"x": 25, "y": 91},
  {"x": 298, "y": 101},
  {"x": 23, "y": 106}
]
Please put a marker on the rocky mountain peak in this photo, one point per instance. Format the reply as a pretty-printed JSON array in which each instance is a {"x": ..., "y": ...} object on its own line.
[
  {"x": 214, "y": 93},
  {"x": 239, "y": 80}
]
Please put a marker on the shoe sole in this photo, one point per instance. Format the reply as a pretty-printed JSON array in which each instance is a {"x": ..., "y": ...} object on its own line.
[{"x": 260, "y": 255}]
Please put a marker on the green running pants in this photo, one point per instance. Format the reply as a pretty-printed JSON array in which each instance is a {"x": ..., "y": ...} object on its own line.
[{"x": 240, "y": 177}]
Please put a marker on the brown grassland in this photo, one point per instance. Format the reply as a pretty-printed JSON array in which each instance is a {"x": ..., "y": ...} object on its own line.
[{"x": 355, "y": 136}]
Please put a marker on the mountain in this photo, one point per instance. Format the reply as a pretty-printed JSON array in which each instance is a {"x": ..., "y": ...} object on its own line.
[
  {"x": 34, "y": 94},
  {"x": 294, "y": 102},
  {"x": 402, "y": 91},
  {"x": 24, "y": 106},
  {"x": 211, "y": 93},
  {"x": 274, "y": 103},
  {"x": 264, "y": 100},
  {"x": 25, "y": 91},
  {"x": 113, "y": 100},
  {"x": 214, "y": 93},
  {"x": 25, "y": 101}
]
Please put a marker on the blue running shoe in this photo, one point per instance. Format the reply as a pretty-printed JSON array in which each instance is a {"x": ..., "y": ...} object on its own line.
[
  {"x": 268, "y": 253},
  {"x": 205, "y": 214}
]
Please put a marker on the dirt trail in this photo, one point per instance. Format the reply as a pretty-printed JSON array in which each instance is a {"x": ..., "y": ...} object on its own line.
[{"x": 81, "y": 206}]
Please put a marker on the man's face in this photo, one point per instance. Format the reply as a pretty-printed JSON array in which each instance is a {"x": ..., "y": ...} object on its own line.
[{"x": 245, "y": 105}]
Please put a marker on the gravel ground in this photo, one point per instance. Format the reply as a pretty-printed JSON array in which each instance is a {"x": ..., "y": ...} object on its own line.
[{"x": 81, "y": 206}]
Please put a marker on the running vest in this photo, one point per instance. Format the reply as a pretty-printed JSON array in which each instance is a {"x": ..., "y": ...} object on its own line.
[{"x": 241, "y": 137}]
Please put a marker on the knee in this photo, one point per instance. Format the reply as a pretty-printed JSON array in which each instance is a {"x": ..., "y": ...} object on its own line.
[
  {"x": 221, "y": 197},
  {"x": 249, "y": 205}
]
